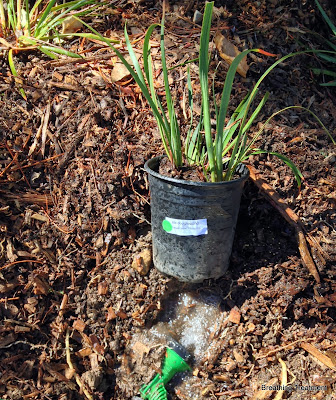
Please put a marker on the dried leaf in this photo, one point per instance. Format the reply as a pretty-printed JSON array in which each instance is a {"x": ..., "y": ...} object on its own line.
[
  {"x": 119, "y": 70},
  {"x": 228, "y": 52},
  {"x": 71, "y": 25}
]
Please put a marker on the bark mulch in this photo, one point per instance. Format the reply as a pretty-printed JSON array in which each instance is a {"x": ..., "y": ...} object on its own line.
[{"x": 76, "y": 280}]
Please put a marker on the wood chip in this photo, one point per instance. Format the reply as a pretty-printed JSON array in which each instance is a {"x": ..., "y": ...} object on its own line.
[
  {"x": 39, "y": 217},
  {"x": 79, "y": 325},
  {"x": 94, "y": 361},
  {"x": 122, "y": 314},
  {"x": 140, "y": 349},
  {"x": 110, "y": 314},
  {"x": 230, "y": 365},
  {"x": 234, "y": 315},
  {"x": 97, "y": 347},
  {"x": 265, "y": 392},
  {"x": 222, "y": 378},
  {"x": 69, "y": 373},
  {"x": 102, "y": 288},
  {"x": 40, "y": 287},
  {"x": 250, "y": 327},
  {"x": 21, "y": 329},
  {"x": 85, "y": 352},
  {"x": 238, "y": 356},
  {"x": 57, "y": 76},
  {"x": 327, "y": 361}
]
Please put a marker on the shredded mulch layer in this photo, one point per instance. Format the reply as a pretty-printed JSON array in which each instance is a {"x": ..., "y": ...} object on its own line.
[{"x": 76, "y": 278}]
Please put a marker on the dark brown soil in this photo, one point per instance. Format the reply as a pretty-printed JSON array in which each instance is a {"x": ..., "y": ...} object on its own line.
[
  {"x": 188, "y": 173},
  {"x": 74, "y": 218},
  {"x": 195, "y": 173}
]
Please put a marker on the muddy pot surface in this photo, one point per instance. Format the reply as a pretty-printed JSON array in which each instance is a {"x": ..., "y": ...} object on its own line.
[{"x": 193, "y": 224}]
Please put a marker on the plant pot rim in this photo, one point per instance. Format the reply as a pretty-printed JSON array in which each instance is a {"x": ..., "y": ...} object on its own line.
[{"x": 151, "y": 163}]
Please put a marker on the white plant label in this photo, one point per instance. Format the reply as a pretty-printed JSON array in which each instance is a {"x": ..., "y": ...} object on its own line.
[{"x": 184, "y": 227}]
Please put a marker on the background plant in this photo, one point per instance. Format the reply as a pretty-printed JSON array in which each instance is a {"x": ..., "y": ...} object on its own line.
[
  {"x": 329, "y": 56},
  {"x": 38, "y": 28}
]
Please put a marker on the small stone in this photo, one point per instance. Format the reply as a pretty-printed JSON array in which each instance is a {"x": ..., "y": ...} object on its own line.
[
  {"x": 142, "y": 262},
  {"x": 198, "y": 17}
]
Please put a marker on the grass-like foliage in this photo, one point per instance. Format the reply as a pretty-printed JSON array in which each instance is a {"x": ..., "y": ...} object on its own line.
[
  {"x": 24, "y": 29},
  {"x": 230, "y": 144},
  {"x": 330, "y": 55}
]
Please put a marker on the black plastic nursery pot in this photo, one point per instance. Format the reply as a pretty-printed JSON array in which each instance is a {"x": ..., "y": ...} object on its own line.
[{"x": 193, "y": 223}]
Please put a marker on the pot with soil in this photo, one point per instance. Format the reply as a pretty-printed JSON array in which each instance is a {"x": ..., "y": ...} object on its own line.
[{"x": 193, "y": 223}]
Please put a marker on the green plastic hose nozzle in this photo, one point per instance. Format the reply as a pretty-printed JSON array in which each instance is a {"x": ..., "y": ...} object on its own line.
[{"x": 171, "y": 365}]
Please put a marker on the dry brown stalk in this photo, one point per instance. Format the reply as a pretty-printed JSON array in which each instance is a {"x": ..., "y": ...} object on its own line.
[
  {"x": 283, "y": 380},
  {"x": 8, "y": 299},
  {"x": 258, "y": 357},
  {"x": 63, "y": 230},
  {"x": 290, "y": 217},
  {"x": 69, "y": 362},
  {"x": 20, "y": 261},
  {"x": 14, "y": 158}
]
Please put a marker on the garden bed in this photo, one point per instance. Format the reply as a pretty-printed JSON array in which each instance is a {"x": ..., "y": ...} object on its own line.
[{"x": 75, "y": 281}]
